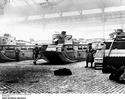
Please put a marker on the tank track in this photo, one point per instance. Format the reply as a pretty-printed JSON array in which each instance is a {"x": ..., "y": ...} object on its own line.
[{"x": 112, "y": 62}]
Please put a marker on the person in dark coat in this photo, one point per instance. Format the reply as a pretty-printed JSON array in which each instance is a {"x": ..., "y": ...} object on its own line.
[
  {"x": 35, "y": 53},
  {"x": 90, "y": 55},
  {"x": 17, "y": 54}
]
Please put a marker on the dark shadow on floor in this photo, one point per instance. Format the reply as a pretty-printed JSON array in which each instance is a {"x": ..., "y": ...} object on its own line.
[{"x": 23, "y": 75}]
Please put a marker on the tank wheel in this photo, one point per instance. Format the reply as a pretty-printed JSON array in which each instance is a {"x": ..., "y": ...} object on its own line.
[{"x": 112, "y": 62}]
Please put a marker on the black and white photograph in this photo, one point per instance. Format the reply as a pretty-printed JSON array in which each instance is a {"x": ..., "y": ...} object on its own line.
[{"x": 62, "y": 47}]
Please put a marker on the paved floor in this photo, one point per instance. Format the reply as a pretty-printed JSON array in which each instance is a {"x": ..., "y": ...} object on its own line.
[{"x": 24, "y": 77}]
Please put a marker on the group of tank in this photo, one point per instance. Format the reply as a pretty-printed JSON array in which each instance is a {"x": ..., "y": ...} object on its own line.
[
  {"x": 64, "y": 50},
  {"x": 109, "y": 53}
]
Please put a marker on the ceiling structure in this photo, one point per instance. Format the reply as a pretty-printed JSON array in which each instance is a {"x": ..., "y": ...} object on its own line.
[
  {"x": 71, "y": 12},
  {"x": 68, "y": 9},
  {"x": 41, "y": 7}
]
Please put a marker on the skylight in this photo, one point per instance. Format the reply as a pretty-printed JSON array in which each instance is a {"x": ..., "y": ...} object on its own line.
[
  {"x": 40, "y": 1},
  {"x": 54, "y": 15},
  {"x": 114, "y": 9},
  {"x": 72, "y": 13},
  {"x": 17, "y": 3},
  {"x": 92, "y": 11},
  {"x": 34, "y": 17}
]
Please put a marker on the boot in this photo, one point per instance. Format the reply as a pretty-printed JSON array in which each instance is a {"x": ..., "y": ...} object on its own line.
[
  {"x": 34, "y": 62},
  {"x": 86, "y": 66},
  {"x": 91, "y": 65}
]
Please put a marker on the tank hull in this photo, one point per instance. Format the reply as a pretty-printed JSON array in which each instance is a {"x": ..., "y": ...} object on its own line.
[
  {"x": 8, "y": 55},
  {"x": 65, "y": 54},
  {"x": 5, "y": 57},
  {"x": 57, "y": 57},
  {"x": 114, "y": 55}
]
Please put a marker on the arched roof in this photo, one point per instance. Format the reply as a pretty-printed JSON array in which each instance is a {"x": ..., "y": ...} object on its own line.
[{"x": 32, "y": 7}]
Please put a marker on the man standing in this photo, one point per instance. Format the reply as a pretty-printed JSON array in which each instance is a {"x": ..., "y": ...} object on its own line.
[
  {"x": 35, "y": 53},
  {"x": 90, "y": 55},
  {"x": 17, "y": 54}
]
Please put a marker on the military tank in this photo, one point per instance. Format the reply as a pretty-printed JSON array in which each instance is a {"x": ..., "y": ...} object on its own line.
[
  {"x": 7, "y": 52},
  {"x": 66, "y": 50},
  {"x": 8, "y": 45},
  {"x": 115, "y": 52}
]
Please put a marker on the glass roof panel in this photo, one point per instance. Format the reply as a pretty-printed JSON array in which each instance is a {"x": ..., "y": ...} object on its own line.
[
  {"x": 113, "y": 9},
  {"x": 71, "y": 13},
  {"x": 93, "y": 11},
  {"x": 18, "y": 2}
]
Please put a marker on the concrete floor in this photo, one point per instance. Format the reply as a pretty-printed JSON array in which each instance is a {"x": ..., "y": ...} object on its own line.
[{"x": 24, "y": 77}]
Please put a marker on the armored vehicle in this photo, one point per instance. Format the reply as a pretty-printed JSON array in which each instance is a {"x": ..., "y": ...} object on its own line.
[
  {"x": 115, "y": 52},
  {"x": 66, "y": 51}
]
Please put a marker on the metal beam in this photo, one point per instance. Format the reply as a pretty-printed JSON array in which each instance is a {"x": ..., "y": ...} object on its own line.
[
  {"x": 60, "y": 14},
  {"x": 27, "y": 3}
]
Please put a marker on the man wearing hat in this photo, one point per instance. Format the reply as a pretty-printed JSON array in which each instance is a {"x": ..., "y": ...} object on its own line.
[
  {"x": 90, "y": 55},
  {"x": 35, "y": 53}
]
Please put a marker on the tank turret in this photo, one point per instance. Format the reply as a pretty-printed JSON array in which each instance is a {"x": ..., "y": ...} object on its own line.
[
  {"x": 119, "y": 34},
  {"x": 61, "y": 38},
  {"x": 7, "y": 39}
]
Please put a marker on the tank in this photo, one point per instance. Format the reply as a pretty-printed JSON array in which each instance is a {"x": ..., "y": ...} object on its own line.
[
  {"x": 68, "y": 51},
  {"x": 8, "y": 44},
  {"x": 7, "y": 52},
  {"x": 115, "y": 52}
]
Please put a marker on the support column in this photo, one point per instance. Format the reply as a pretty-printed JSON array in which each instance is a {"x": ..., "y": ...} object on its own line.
[
  {"x": 60, "y": 14},
  {"x": 103, "y": 21},
  {"x": 121, "y": 21}
]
